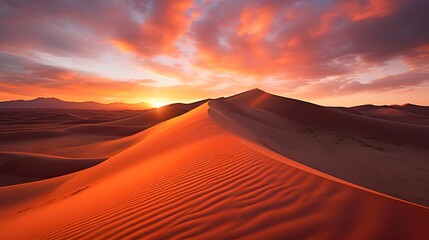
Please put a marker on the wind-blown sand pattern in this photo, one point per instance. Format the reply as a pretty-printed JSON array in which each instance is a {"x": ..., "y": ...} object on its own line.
[{"x": 252, "y": 166}]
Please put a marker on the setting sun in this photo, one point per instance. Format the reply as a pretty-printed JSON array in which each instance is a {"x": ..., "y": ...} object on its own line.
[{"x": 157, "y": 103}]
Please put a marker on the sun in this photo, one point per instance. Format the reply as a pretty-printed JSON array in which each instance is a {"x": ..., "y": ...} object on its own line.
[{"x": 157, "y": 103}]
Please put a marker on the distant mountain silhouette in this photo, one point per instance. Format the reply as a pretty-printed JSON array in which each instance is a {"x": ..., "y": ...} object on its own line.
[{"x": 55, "y": 103}]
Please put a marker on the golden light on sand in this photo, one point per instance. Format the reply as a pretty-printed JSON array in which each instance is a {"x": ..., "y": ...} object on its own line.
[
  {"x": 212, "y": 165},
  {"x": 157, "y": 103}
]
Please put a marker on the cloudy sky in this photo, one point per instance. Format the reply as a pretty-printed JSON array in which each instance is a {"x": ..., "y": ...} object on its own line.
[{"x": 331, "y": 52}]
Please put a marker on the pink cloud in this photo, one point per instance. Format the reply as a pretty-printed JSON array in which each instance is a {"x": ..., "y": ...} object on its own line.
[{"x": 292, "y": 42}]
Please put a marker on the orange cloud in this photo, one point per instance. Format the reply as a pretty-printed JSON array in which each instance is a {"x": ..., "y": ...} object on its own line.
[
  {"x": 224, "y": 45},
  {"x": 372, "y": 8},
  {"x": 255, "y": 21},
  {"x": 158, "y": 33},
  {"x": 326, "y": 22},
  {"x": 122, "y": 45}
]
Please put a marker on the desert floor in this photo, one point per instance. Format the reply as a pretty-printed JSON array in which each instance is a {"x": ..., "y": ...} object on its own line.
[{"x": 251, "y": 166}]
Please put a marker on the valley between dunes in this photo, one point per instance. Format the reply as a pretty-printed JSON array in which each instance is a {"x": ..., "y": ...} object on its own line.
[{"x": 251, "y": 166}]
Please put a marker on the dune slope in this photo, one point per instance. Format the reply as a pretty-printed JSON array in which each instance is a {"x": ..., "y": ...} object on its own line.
[
  {"x": 385, "y": 156},
  {"x": 182, "y": 182},
  {"x": 18, "y": 167},
  {"x": 411, "y": 114}
]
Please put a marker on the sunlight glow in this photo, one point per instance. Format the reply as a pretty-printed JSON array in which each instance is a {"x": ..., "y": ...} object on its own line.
[{"x": 157, "y": 103}]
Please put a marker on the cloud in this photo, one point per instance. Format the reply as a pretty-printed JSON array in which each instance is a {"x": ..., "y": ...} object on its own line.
[
  {"x": 350, "y": 86},
  {"x": 29, "y": 79},
  {"x": 164, "y": 22},
  {"x": 215, "y": 44},
  {"x": 382, "y": 38},
  {"x": 52, "y": 26},
  {"x": 65, "y": 27},
  {"x": 387, "y": 83},
  {"x": 291, "y": 46}
]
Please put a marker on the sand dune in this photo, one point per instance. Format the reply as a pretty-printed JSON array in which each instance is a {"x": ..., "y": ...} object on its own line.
[
  {"x": 17, "y": 167},
  {"x": 242, "y": 167},
  {"x": 45, "y": 131},
  {"x": 106, "y": 130},
  {"x": 421, "y": 110},
  {"x": 150, "y": 117},
  {"x": 18, "y": 120},
  {"x": 408, "y": 113},
  {"x": 313, "y": 115},
  {"x": 156, "y": 115},
  {"x": 88, "y": 133},
  {"x": 381, "y": 155}
]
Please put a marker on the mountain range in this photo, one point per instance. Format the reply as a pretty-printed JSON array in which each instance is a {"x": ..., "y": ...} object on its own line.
[{"x": 55, "y": 103}]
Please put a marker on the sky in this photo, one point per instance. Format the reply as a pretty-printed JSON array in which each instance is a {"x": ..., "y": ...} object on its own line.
[{"x": 329, "y": 52}]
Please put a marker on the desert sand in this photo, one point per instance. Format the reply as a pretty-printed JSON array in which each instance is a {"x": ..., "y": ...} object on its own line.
[{"x": 251, "y": 166}]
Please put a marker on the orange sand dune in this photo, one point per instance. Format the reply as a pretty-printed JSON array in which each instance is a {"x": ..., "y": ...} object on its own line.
[
  {"x": 198, "y": 176},
  {"x": 156, "y": 115},
  {"x": 97, "y": 134},
  {"x": 46, "y": 131},
  {"x": 104, "y": 130}
]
